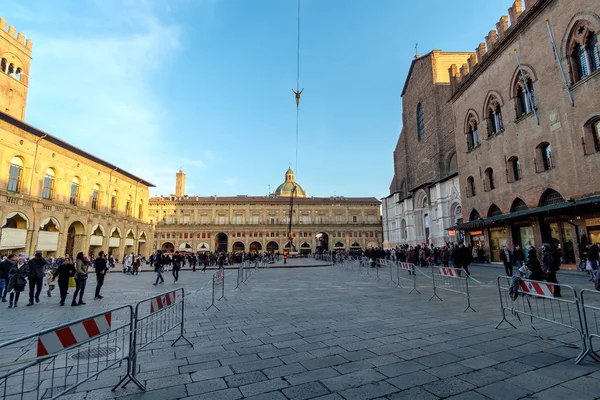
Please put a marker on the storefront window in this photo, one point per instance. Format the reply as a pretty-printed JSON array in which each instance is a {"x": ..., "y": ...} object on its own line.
[
  {"x": 497, "y": 241},
  {"x": 527, "y": 240}
]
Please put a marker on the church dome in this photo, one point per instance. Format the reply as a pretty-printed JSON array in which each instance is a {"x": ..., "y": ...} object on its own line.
[{"x": 286, "y": 188}]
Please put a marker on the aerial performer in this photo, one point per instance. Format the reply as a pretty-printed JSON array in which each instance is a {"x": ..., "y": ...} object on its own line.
[{"x": 298, "y": 93}]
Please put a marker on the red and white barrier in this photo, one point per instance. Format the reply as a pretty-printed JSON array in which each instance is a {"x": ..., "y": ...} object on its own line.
[
  {"x": 60, "y": 339},
  {"x": 406, "y": 266},
  {"x": 382, "y": 262},
  {"x": 448, "y": 272},
  {"x": 540, "y": 288},
  {"x": 160, "y": 302}
]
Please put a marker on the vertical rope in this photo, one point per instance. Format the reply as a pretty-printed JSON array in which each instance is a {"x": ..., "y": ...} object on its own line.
[{"x": 297, "y": 84}]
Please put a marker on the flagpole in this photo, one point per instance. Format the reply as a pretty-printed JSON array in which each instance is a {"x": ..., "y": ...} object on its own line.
[
  {"x": 562, "y": 71},
  {"x": 529, "y": 96}
]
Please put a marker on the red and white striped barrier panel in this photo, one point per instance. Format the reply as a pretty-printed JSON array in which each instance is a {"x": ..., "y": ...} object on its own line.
[
  {"x": 160, "y": 302},
  {"x": 405, "y": 266},
  {"x": 382, "y": 262},
  {"x": 448, "y": 272},
  {"x": 539, "y": 288},
  {"x": 63, "y": 338}
]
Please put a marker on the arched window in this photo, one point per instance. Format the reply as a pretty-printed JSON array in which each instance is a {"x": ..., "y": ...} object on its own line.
[
  {"x": 113, "y": 202},
  {"x": 472, "y": 132},
  {"x": 96, "y": 197},
  {"x": 141, "y": 209},
  {"x": 514, "y": 169},
  {"x": 48, "y": 189},
  {"x": 403, "y": 231},
  {"x": 596, "y": 133},
  {"x": 494, "y": 211},
  {"x": 11, "y": 70},
  {"x": 551, "y": 196},
  {"x": 518, "y": 205},
  {"x": 3, "y": 65},
  {"x": 474, "y": 215},
  {"x": 490, "y": 184},
  {"x": 543, "y": 157},
  {"x": 15, "y": 175},
  {"x": 18, "y": 74},
  {"x": 494, "y": 113},
  {"x": 583, "y": 50},
  {"x": 74, "y": 197},
  {"x": 524, "y": 105},
  {"x": 452, "y": 165},
  {"x": 420, "y": 122},
  {"x": 470, "y": 186},
  {"x": 128, "y": 206},
  {"x": 591, "y": 138}
]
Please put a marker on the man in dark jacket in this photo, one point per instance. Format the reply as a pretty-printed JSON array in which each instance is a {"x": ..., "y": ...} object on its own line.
[
  {"x": 507, "y": 258},
  {"x": 101, "y": 266},
  {"x": 5, "y": 267},
  {"x": 549, "y": 266},
  {"x": 35, "y": 273},
  {"x": 177, "y": 261}
]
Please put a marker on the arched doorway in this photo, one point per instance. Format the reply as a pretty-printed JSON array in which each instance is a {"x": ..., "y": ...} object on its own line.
[
  {"x": 255, "y": 247},
  {"x": 129, "y": 242},
  {"x": 221, "y": 240},
  {"x": 272, "y": 247},
  {"x": 372, "y": 245},
  {"x": 48, "y": 237},
  {"x": 322, "y": 241},
  {"x": 96, "y": 239},
  {"x": 74, "y": 238},
  {"x": 167, "y": 247},
  {"x": 339, "y": 246},
  {"x": 238, "y": 246},
  {"x": 355, "y": 246},
  {"x": 289, "y": 246},
  {"x": 142, "y": 244},
  {"x": 114, "y": 243},
  {"x": 305, "y": 248},
  {"x": 14, "y": 232}
]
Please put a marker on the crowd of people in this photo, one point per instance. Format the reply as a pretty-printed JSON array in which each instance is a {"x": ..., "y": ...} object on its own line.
[{"x": 18, "y": 271}]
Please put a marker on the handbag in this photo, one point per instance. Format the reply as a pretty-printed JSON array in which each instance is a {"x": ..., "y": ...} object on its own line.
[
  {"x": 588, "y": 266},
  {"x": 72, "y": 283}
]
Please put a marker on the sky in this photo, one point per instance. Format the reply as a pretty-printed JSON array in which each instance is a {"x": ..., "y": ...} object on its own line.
[{"x": 206, "y": 85}]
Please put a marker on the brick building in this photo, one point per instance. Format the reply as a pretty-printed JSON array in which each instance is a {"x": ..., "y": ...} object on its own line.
[
  {"x": 424, "y": 195},
  {"x": 528, "y": 157},
  {"x": 260, "y": 223},
  {"x": 54, "y": 197}
]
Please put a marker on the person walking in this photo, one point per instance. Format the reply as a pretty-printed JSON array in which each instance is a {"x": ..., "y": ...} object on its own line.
[
  {"x": 159, "y": 262},
  {"x": 177, "y": 261},
  {"x": 64, "y": 271},
  {"x": 507, "y": 259},
  {"x": 81, "y": 276},
  {"x": 17, "y": 281},
  {"x": 550, "y": 265},
  {"x": 5, "y": 267},
  {"x": 593, "y": 255},
  {"x": 36, "y": 273},
  {"x": 101, "y": 267},
  {"x": 518, "y": 256},
  {"x": 535, "y": 268}
]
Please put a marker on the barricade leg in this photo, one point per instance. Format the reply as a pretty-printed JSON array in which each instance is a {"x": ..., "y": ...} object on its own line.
[
  {"x": 212, "y": 304},
  {"x": 377, "y": 268},
  {"x": 502, "y": 308},
  {"x": 434, "y": 289},
  {"x": 468, "y": 295},
  {"x": 414, "y": 275},
  {"x": 237, "y": 285},
  {"x": 181, "y": 332},
  {"x": 223, "y": 288},
  {"x": 131, "y": 359}
]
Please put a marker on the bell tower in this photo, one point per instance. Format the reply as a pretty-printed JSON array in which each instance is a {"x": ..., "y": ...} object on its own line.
[
  {"x": 180, "y": 183},
  {"x": 15, "y": 58}
]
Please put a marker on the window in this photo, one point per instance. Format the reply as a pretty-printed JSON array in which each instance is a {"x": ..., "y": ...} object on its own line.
[
  {"x": 514, "y": 169},
  {"x": 524, "y": 104},
  {"x": 495, "y": 123},
  {"x": 584, "y": 51},
  {"x": 48, "y": 189},
  {"x": 420, "y": 122},
  {"x": 472, "y": 132},
  {"x": 113, "y": 202},
  {"x": 128, "y": 206},
  {"x": 15, "y": 175},
  {"x": 494, "y": 211},
  {"x": 550, "y": 197},
  {"x": 338, "y": 219},
  {"x": 74, "y": 197},
  {"x": 96, "y": 197},
  {"x": 474, "y": 215},
  {"x": 141, "y": 210},
  {"x": 596, "y": 133},
  {"x": 544, "y": 157},
  {"x": 354, "y": 219},
  {"x": 490, "y": 184},
  {"x": 3, "y": 65},
  {"x": 470, "y": 186}
]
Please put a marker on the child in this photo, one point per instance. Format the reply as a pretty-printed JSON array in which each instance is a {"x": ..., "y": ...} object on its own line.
[{"x": 50, "y": 280}]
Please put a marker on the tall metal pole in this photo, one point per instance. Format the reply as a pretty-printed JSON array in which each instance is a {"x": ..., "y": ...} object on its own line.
[{"x": 560, "y": 67}]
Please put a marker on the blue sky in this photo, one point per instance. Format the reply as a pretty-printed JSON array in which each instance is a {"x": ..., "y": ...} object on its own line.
[{"x": 205, "y": 85}]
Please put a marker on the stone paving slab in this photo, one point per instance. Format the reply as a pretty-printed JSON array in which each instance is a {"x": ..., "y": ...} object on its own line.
[{"x": 333, "y": 334}]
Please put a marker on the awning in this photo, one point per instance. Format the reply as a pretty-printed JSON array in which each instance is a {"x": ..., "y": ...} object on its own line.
[{"x": 481, "y": 222}]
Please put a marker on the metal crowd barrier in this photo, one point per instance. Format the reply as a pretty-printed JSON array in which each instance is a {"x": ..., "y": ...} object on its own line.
[
  {"x": 591, "y": 318},
  {"x": 218, "y": 279},
  {"x": 409, "y": 274},
  {"x": 62, "y": 358},
  {"x": 451, "y": 280},
  {"x": 155, "y": 317},
  {"x": 536, "y": 300}
]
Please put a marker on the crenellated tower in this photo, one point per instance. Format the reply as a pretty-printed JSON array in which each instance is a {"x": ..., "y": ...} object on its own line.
[{"x": 15, "y": 58}]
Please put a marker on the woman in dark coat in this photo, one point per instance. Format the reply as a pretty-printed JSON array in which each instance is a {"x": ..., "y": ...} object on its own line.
[
  {"x": 17, "y": 281},
  {"x": 534, "y": 266},
  {"x": 64, "y": 271}
]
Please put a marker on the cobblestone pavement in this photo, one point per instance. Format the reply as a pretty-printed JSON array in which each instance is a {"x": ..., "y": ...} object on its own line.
[{"x": 332, "y": 334}]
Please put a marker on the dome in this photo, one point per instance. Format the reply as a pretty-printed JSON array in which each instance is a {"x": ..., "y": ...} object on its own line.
[{"x": 286, "y": 188}]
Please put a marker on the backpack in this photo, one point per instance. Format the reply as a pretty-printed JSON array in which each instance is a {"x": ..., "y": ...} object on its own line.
[{"x": 515, "y": 284}]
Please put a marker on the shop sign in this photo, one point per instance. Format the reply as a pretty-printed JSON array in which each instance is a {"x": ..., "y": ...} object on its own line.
[
  {"x": 451, "y": 232},
  {"x": 592, "y": 222},
  {"x": 498, "y": 229},
  {"x": 476, "y": 233}
]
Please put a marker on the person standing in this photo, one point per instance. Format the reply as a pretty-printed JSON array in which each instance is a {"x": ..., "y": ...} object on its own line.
[
  {"x": 17, "y": 281},
  {"x": 593, "y": 255},
  {"x": 81, "y": 276},
  {"x": 518, "y": 256},
  {"x": 101, "y": 266},
  {"x": 507, "y": 259},
  {"x": 176, "y": 260},
  {"x": 64, "y": 271},
  {"x": 159, "y": 262},
  {"x": 5, "y": 267},
  {"x": 550, "y": 266},
  {"x": 36, "y": 273}
]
